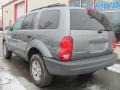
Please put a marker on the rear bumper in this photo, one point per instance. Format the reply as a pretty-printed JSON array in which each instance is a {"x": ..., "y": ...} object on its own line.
[{"x": 78, "y": 67}]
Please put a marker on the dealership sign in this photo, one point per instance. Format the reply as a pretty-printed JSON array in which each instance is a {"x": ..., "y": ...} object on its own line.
[{"x": 107, "y": 6}]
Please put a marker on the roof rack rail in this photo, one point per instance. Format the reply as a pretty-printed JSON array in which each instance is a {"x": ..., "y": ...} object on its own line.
[{"x": 52, "y": 5}]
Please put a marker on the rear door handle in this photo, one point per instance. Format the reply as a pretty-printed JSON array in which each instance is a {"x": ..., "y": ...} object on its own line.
[
  {"x": 29, "y": 36},
  {"x": 14, "y": 35},
  {"x": 100, "y": 31}
]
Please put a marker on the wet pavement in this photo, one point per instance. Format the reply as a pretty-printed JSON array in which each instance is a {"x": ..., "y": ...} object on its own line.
[{"x": 14, "y": 75}]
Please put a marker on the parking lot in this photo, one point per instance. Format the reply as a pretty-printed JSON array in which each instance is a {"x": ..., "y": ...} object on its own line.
[{"x": 14, "y": 75}]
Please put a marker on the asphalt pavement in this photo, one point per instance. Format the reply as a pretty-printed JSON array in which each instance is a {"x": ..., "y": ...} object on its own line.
[{"x": 14, "y": 75}]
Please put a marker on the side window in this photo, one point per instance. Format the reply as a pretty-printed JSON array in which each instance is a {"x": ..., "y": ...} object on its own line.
[
  {"x": 28, "y": 22},
  {"x": 17, "y": 24},
  {"x": 49, "y": 19}
]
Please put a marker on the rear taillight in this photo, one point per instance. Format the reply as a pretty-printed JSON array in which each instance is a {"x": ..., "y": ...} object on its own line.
[
  {"x": 114, "y": 44},
  {"x": 66, "y": 47}
]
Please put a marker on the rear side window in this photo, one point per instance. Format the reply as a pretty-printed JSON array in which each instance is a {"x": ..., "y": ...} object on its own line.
[
  {"x": 28, "y": 22},
  {"x": 84, "y": 20},
  {"x": 49, "y": 19}
]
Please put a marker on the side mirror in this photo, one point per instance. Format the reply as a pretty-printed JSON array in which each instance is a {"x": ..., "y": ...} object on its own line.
[{"x": 8, "y": 28}]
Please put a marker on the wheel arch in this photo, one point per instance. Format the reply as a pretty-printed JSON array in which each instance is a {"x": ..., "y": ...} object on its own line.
[
  {"x": 36, "y": 46},
  {"x": 32, "y": 51}
]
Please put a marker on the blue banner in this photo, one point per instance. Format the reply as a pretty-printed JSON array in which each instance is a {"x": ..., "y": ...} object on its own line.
[{"x": 107, "y": 6}]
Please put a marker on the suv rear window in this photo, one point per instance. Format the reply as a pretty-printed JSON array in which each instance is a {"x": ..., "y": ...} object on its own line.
[
  {"x": 49, "y": 19},
  {"x": 87, "y": 20}
]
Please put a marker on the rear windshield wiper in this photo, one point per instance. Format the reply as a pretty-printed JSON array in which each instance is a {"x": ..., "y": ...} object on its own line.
[{"x": 105, "y": 30}]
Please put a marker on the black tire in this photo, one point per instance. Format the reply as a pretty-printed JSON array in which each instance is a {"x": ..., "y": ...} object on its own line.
[
  {"x": 45, "y": 77},
  {"x": 6, "y": 53}
]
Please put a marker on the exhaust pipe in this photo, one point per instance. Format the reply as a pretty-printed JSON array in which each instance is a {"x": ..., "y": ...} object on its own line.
[{"x": 105, "y": 69}]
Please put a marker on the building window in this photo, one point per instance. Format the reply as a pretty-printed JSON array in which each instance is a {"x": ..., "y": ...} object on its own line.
[
  {"x": 87, "y": 3},
  {"x": 76, "y": 3}
]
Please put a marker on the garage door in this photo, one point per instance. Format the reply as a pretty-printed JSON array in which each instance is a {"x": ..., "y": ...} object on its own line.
[{"x": 20, "y": 9}]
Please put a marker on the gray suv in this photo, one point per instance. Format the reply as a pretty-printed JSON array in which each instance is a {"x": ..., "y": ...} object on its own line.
[{"x": 61, "y": 40}]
